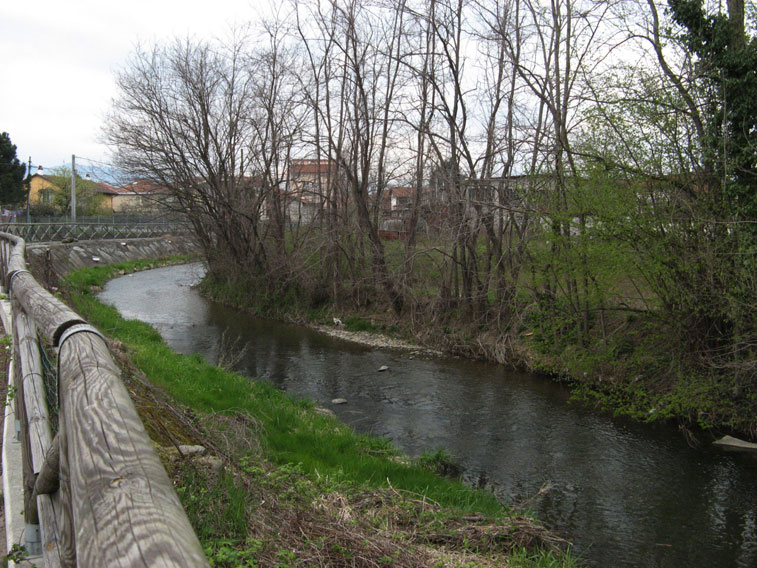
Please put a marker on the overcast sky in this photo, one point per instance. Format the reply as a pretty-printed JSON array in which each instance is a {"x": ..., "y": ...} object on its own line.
[{"x": 58, "y": 61}]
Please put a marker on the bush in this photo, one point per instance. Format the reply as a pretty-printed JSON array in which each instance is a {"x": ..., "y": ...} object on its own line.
[{"x": 354, "y": 323}]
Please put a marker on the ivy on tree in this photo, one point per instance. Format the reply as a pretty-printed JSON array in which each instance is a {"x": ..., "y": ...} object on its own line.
[
  {"x": 11, "y": 173},
  {"x": 727, "y": 61}
]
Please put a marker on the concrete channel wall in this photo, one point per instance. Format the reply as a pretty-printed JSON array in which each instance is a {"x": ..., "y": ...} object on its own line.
[{"x": 51, "y": 261}]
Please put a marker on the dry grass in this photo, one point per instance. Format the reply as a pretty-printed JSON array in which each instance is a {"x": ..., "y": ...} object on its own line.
[{"x": 293, "y": 518}]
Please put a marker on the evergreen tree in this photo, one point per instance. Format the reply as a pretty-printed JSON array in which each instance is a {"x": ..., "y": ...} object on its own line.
[
  {"x": 727, "y": 60},
  {"x": 12, "y": 171}
]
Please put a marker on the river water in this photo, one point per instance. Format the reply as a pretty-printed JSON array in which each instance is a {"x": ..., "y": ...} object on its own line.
[{"x": 625, "y": 494}]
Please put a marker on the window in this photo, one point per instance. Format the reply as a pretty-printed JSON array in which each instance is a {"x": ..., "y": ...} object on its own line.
[{"x": 46, "y": 196}]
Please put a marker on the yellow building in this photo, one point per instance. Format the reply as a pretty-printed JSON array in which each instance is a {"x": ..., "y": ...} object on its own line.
[
  {"x": 41, "y": 190},
  {"x": 141, "y": 196}
]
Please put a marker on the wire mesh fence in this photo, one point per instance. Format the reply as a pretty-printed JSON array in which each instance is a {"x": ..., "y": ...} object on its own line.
[
  {"x": 50, "y": 232},
  {"x": 50, "y": 380}
]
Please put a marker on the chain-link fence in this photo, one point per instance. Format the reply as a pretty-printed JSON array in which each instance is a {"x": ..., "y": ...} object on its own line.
[{"x": 51, "y": 232}]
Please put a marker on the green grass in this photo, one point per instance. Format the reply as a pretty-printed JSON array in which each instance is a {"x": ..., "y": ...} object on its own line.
[
  {"x": 291, "y": 431},
  {"x": 221, "y": 505},
  {"x": 524, "y": 558},
  {"x": 354, "y": 323},
  {"x": 243, "y": 518}
]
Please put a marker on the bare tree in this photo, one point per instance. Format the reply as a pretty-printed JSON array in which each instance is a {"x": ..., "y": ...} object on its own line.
[
  {"x": 357, "y": 72},
  {"x": 179, "y": 120},
  {"x": 213, "y": 124},
  {"x": 470, "y": 87},
  {"x": 566, "y": 41}
]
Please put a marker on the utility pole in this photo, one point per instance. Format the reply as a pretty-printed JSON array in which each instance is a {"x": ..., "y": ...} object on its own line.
[
  {"x": 28, "y": 190},
  {"x": 73, "y": 188}
]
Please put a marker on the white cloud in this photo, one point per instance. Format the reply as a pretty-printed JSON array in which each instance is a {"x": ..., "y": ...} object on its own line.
[{"x": 60, "y": 58}]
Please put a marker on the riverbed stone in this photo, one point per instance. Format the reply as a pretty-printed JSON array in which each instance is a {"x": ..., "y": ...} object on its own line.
[
  {"x": 731, "y": 443},
  {"x": 324, "y": 411},
  {"x": 215, "y": 464},
  {"x": 187, "y": 450}
]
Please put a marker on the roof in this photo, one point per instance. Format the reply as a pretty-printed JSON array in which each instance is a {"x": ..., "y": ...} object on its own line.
[
  {"x": 399, "y": 191},
  {"x": 304, "y": 167},
  {"x": 106, "y": 189},
  {"x": 140, "y": 187},
  {"x": 45, "y": 177}
]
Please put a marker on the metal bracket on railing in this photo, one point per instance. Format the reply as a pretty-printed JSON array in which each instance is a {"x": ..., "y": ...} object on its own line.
[
  {"x": 13, "y": 275},
  {"x": 78, "y": 328},
  {"x": 32, "y": 374},
  {"x": 32, "y": 540},
  {"x": 73, "y": 330}
]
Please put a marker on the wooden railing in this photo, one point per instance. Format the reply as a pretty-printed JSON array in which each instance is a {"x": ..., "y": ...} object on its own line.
[
  {"x": 96, "y": 492},
  {"x": 48, "y": 232}
]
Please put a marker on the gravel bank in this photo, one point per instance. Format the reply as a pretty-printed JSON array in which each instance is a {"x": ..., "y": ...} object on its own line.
[{"x": 374, "y": 340}]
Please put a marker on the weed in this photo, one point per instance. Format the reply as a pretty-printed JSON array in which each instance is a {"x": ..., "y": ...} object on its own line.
[
  {"x": 233, "y": 554},
  {"x": 286, "y": 559},
  {"x": 317, "y": 315},
  {"x": 12, "y": 391},
  {"x": 16, "y": 554},
  {"x": 215, "y": 505},
  {"x": 354, "y": 323},
  {"x": 441, "y": 463},
  {"x": 524, "y": 558}
]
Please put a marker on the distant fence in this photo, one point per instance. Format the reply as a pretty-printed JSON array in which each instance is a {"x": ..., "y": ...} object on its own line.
[
  {"x": 50, "y": 232},
  {"x": 115, "y": 219},
  {"x": 96, "y": 493}
]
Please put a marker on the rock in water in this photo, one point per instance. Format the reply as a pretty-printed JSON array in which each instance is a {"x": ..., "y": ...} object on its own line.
[
  {"x": 731, "y": 443},
  {"x": 383, "y": 368},
  {"x": 339, "y": 401}
]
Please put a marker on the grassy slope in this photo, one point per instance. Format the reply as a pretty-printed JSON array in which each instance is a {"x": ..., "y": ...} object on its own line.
[{"x": 291, "y": 432}]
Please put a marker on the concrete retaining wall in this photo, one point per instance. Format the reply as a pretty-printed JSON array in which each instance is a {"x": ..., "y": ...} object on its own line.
[{"x": 51, "y": 261}]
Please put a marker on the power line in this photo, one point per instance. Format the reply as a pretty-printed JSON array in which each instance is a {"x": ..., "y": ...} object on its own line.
[{"x": 98, "y": 162}]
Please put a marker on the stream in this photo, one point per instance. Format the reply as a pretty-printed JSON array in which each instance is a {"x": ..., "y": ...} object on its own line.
[{"x": 625, "y": 494}]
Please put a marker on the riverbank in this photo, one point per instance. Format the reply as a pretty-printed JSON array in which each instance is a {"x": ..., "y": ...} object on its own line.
[
  {"x": 634, "y": 371},
  {"x": 296, "y": 487}
]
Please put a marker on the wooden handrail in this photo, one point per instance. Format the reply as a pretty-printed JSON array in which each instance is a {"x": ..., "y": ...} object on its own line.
[{"x": 117, "y": 506}]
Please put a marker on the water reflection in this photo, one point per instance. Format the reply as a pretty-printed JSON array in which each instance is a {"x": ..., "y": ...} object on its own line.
[{"x": 625, "y": 494}]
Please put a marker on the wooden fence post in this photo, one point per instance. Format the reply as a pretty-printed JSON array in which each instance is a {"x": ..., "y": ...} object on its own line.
[
  {"x": 115, "y": 505},
  {"x": 124, "y": 508}
]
